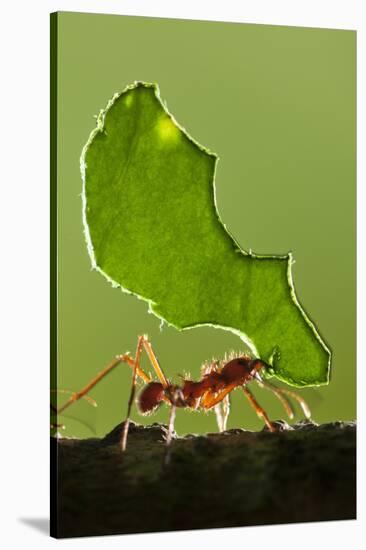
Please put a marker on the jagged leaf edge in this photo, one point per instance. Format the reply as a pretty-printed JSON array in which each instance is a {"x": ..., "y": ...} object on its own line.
[{"x": 100, "y": 118}]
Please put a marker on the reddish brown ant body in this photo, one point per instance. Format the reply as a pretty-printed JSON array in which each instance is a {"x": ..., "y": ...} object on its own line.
[{"x": 218, "y": 380}]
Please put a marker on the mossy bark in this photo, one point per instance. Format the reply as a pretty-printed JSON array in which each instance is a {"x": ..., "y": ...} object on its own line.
[{"x": 300, "y": 473}]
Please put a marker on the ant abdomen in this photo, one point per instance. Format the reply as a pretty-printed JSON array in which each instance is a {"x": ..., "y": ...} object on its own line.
[{"x": 150, "y": 397}]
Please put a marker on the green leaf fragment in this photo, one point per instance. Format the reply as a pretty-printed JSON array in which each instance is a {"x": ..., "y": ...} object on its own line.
[{"x": 152, "y": 228}]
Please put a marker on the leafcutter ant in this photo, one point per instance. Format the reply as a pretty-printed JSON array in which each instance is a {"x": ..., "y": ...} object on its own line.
[{"x": 218, "y": 380}]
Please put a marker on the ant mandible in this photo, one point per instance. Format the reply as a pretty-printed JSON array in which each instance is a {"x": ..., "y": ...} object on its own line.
[{"x": 218, "y": 380}]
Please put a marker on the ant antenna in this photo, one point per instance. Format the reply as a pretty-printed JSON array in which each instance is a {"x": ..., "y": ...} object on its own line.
[
  {"x": 278, "y": 393},
  {"x": 304, "y": 406}
]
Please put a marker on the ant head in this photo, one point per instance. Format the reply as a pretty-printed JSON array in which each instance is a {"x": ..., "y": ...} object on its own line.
[{"x": 258, "y": 365}]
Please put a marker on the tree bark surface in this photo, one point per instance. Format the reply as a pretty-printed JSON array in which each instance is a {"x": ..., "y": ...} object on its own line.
[{"x": 237, "y": 478}]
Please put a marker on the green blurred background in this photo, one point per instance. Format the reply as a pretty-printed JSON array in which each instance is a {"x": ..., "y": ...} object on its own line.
[{"x": 277, "y": 104}]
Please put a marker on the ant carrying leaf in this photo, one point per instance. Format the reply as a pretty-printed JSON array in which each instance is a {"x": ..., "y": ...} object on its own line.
[{"x": 218, "y": 380}]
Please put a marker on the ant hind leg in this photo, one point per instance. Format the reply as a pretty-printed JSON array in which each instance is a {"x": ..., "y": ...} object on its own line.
[
  {"x": 136, "y": 368},
  {"x": 75, "y": 396},
  {"x": 142, "y": 343}
]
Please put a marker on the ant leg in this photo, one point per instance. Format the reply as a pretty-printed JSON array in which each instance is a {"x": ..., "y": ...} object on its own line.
[
  {"x": 222, "y": 411},
  {"x": 304, "y": 406},
  {"x": 84, "y": 391},
  {"x": 219, "y": 418},
  {"x": 136, "y": 366},
  {"x": 143, "y": 342},
  {"x": 173, "y": 409},
  {"x": 278, "y": 393},
  {"x": 258, "y": 409},
  {"x": 282, "y": 393},
  {"x": 72, "y": 399},
  {"x": 154, "y": 361},
  {"x": 78, "y": 395},
  {"x": 169, "y": 436},
  {"x": 225, "y": 411},
  {"x": 210, "y": 399}
]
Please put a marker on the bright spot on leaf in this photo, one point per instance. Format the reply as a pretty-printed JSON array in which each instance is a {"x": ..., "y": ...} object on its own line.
[
  {"x": 167, "y": 130},
  {"x": 128, "y": 100}
]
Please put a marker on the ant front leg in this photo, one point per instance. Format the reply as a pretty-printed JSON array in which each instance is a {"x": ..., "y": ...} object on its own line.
[
  {"x": 283, "y": 395},
  {"x": 258, "y": 409}
]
